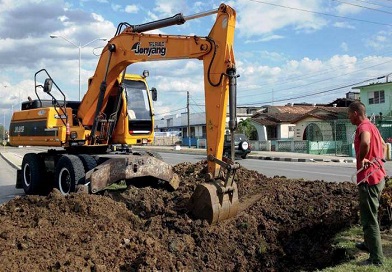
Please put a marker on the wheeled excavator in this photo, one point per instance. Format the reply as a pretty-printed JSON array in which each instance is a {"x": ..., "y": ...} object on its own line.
[{"x": 96, "y": 133}]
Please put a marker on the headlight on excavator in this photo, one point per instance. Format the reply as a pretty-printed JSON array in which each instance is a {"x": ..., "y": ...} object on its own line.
[
  {"x": 73, "y": 135},
  {"x": 146, "y": 73}
]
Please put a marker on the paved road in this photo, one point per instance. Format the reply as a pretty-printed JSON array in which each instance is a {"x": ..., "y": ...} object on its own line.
[
  {"x": 7, "y": 182},
  {"x": 309, "y": 170}
]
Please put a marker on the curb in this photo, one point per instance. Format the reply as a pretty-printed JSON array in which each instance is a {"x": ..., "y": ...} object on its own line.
[
  {"x": 8, "y": 160},
  {"x": 300, "y": 159},
  {"x": 257, "y": 157},
  {"x": 267, "y": 158}
]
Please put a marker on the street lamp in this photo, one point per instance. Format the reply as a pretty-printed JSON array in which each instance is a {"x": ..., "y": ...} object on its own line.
[{"x": 79, "y": 47}]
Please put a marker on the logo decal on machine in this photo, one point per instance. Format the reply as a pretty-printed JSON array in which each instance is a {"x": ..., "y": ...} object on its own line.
[
  {"x": 19, "y": 129},
  {"x": 154, "y": 48}
]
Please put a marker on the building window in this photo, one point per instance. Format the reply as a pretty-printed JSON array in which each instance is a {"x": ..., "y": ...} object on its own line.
[
  {"x": 204, "y": 132},
  {"x": 376, "y": 97}
]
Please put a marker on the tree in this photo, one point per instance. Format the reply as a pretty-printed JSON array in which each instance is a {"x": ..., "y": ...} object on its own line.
[
  {"x": 246, "y": 127},
  {"x": 2, "y": 132}
]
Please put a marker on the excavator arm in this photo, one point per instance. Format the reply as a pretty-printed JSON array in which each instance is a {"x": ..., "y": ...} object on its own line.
[{"x": 132, "y": 45}]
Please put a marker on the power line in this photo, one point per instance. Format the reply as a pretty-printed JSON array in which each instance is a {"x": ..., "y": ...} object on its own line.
[
  {"x": 368, "y": 2},
  {"x": 320, "y": 13},
  {"x": 322, "y": 80},
  {"x": 311, "y": 75},
  {"x": 360, "y": 6},
  {"x": 198, "y": 105},
  {"x": 169, "y": 112},
  {"x": 317, "y": 93}
]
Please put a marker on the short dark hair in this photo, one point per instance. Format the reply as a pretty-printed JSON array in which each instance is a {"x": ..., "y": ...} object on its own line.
[{"x": 357, "y": 106}]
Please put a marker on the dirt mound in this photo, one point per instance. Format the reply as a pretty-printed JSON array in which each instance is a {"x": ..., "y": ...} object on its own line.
[{"x": 283, "y": 225}]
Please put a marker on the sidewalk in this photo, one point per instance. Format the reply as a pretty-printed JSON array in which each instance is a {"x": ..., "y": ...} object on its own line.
[
  {"x": 12, "y": 159},
  {"x": 15, "y": 160},
  {"x": 260, "y": 155}
]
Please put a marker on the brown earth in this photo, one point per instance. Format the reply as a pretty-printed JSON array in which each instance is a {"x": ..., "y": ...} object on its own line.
[{"x": 283, "y": 225}]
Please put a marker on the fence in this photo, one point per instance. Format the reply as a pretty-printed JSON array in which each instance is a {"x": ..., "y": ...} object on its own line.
[
  {"x": 320, "y": 137},
  {"x": 167, "y": 140},
  {"x": 334, "y": 137}
]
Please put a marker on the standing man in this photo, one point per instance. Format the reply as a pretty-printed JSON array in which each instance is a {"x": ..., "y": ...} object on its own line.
[{"x": 370, "y": 151}]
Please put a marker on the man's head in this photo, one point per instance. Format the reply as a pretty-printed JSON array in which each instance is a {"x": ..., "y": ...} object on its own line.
[{"x": 356, "y": 112}]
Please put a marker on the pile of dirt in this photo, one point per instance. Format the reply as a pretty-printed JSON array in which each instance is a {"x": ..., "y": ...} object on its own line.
[
  {"x": 283, "y": 225},
  {"x": 385, "y": 210}
]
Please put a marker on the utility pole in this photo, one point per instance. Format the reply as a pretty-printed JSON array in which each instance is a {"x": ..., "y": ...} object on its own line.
[
  {"x": 189, "y": 124},
  {"x": 4, "y": 142}
]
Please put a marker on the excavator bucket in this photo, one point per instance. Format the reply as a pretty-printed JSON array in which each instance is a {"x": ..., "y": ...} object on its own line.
[{"x": 214, "y": 202}]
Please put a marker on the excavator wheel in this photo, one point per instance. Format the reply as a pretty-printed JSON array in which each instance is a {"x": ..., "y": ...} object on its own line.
[
  {"x": 69, "y": 173},
  {"x": 210, "y": 203},
  {"x": 33, "y": 173},
  {"x": 88, "y": 162}
]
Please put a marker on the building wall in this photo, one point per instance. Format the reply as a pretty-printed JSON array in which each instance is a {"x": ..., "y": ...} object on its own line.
[
  {"x": 384, "y": 108},
  {"x": 301, "y": 126},
  {"x": 261, "y": 132},
  {"x": 286, "y": 131},
  {"x": 196, "y": 120}
]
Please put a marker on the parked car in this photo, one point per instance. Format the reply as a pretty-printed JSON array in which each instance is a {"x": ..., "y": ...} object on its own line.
[{"x": 241, "y": 146}]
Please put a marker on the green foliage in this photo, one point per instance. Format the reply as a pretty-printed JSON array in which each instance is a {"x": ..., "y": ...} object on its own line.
[
  {"x": 347, "y": 239},
  {"x": 263, "y": 246},
  {"x": 2, "y": 132},
  {"x": 243, "y": 225},
  {"x": 246, "y": 127},
  {"x": 388, "y": 183}
]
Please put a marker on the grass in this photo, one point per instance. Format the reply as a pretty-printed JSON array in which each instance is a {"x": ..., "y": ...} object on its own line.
[{"x": 347, "y": 240}]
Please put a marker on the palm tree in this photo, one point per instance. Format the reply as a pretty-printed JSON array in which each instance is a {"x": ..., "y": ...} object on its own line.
[{"x": 246, "y": 127}]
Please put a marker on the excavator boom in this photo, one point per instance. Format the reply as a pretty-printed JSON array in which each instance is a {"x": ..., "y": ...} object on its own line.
[{"x": 215, "y": 50}]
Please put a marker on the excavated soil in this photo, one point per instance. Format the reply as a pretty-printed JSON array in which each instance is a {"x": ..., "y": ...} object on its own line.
[{"x": 283, "y": 225}]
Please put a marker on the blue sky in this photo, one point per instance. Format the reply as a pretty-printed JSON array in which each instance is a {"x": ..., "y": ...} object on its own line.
[{"x": 286, "y": 50}]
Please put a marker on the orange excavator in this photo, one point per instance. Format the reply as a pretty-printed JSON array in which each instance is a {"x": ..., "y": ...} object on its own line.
[{"x": 95, "y": 133}]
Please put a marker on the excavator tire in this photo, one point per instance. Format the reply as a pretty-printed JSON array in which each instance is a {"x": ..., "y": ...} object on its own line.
[
  {"x": 209, "y": 203},
  {"x": 69, "y": 173},
  {"x": 88, "y": 162},
  {"x": 33, "y": 172}
]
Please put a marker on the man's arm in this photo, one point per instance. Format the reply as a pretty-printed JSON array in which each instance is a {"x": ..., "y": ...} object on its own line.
[
  {"x": 364, "y": 147},
  {"x": 384, "y": 148}
]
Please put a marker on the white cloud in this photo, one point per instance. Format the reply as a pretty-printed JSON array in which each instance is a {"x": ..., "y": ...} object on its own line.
[
  {"x": 346, "y": 61},
  {"x": 27, "y": 41},
  {"x": 266, "y": 38},
  {"x": 116, "y": 7},
  {"x": 169, "y": 8},
  {"x": 347, "y": 9},
  {"x": 343, "y": 25},
  {"x": 261, "y": 84},
  {"x": 344, "y": 46},
  {"x": 131, "y": 9},
  {"x": 271, "y": 18},
  {"x": 380, "y": 40}
]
